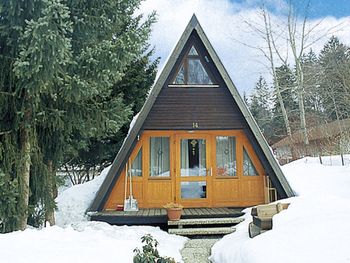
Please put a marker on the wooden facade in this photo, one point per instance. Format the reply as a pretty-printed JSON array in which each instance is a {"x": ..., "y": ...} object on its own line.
[
  {"x": 200, "y": 121},
  {"x": 221, "y": 191}
]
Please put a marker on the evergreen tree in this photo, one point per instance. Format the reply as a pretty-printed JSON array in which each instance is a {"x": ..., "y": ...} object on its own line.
[
  {"x": 334, "y": 61},
  {"x": 313, "y": 97},
  {"x": 287, "y": 85},
  {"x": 60, "y": 62},
  {"x": 134, "y": 87},
  {"x": 260, "y": 107}
]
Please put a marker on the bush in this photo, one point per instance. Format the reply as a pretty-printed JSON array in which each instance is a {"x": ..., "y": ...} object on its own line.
[{"x": 150, "y": 252}]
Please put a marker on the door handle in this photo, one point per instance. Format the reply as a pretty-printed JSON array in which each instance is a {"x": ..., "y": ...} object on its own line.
[{"x": 210, "y": 171}]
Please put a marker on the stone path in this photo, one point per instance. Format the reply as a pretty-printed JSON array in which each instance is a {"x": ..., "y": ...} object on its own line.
[{"x": 197, "y": 250}]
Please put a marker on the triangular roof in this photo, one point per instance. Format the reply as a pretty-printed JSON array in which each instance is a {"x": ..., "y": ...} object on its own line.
[{"x": 276, "y": 174}]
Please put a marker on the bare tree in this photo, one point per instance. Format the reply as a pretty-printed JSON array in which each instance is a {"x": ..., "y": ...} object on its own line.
[{"x": 271, "y": 53}]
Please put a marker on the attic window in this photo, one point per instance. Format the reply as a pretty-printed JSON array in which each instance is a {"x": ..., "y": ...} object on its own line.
[{"x": 192, "y": 71}]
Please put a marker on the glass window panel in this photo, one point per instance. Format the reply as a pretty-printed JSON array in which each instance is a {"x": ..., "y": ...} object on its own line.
[
  {"x": 248, "y": 166},
  {"x": 136, "y": 166},
  {"x": 159, "y": 156},
  {"x": 193, "y": 51},
  {"x": 197, "y": 73},
  {"x": 226, "y": 156},
  {"x": 192, "y": 190},
  {"x": 180, "y": 78},
  {"x": 193, "y": 157}
]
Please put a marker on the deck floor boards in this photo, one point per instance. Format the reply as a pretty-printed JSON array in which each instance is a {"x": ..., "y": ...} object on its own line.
[{"x": 150, "y": 212}]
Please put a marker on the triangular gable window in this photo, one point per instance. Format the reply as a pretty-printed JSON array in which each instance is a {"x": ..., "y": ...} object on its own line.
[
  {"x": 136, "y": 166},
  {"x": 248, "y": 166},
  {"x": 192, "y": 71},
  {"x": 193, "y": 51}
]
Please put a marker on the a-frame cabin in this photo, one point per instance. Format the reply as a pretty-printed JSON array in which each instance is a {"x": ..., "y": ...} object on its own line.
[{"x": 194, "y": 142}]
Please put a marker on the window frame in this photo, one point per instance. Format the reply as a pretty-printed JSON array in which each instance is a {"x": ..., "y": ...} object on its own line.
[{"x": 184, "y": 62}]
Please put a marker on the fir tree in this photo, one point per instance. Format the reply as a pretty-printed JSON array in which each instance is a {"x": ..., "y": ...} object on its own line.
[
  {"x": 61, "y": 60},
  {"x": 287, "y": 85},
  {"x": 334, "y": 61},
  {"x": 260, "y": 107}
]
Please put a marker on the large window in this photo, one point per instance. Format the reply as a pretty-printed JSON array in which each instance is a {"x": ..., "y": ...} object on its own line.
[
  {"x": 248, "y": 166},
  {"x": 192, "y": 70},
  {"x": 226, "y": 156},
  {"x": 136, "y": 166},
  {"x": 159, "y": 156}
]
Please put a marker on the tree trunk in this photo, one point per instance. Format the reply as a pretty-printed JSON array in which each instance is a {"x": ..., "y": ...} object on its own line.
[
  {"x": 269, "y": 41},
  {"x": 299, "y": 71},
  {"x": 50, "y": 211},
  {"x": 300, "y": 91},
  {"x": 24, "y": 177}
]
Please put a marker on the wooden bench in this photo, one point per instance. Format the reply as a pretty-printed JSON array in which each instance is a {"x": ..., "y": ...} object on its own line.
[{"x": 262, "y": 217}]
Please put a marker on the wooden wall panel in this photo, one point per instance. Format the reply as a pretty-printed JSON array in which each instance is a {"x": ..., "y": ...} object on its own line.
[
  {"x": 179, "y": 108},
  {"x": 226, "y": 192},
  {"x": 222, "y": 191},
  {"x": 159, "y": 193},
  {"x": 252, "y": 192},
  {"x": 117, "y": 195}
]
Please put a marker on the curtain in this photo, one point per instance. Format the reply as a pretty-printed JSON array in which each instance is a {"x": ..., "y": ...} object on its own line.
[
  {"x": 159, "y": 156},
  {"x": 226, "y": 156}
]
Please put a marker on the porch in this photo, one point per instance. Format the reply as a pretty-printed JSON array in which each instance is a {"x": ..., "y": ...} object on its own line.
[{"x": 158, "y": 216}]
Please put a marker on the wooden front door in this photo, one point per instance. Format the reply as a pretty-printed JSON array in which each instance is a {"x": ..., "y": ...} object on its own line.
[{"x": 193, "y": 170}]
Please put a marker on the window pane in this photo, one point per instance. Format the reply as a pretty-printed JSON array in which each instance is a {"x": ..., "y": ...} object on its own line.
[
  {"x": 193, "y": 157},
  {"x": 248, "y": 166},
  {"x": 193, "y": 190},
  {"x": 193, "y": 51},
  {"x": 180, "y": 78},
  {"x": 226, "y": 156},
  {"x": 159, "y": 156},
  {"x": 197, "y": 73},
  {"x": 136, "y": 166}
]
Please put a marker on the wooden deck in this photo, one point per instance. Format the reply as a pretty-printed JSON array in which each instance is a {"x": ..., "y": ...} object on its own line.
[{"x": 154, "y": 216}]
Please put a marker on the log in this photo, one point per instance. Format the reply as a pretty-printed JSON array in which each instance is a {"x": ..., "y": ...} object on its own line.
[
  {"x": 253, "y": 230},
  {"x": 263, "y": 223}
]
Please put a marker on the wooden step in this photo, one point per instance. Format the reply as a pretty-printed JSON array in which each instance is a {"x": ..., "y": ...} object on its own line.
[
  {"x": 206, "y": 221},
  {"x": 202, "y": 231}
]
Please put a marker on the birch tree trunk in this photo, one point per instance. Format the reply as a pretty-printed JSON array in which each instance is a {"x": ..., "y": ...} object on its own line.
[
  {"x": 299, "y": 71},
  {"x": 270, "y": 44}
]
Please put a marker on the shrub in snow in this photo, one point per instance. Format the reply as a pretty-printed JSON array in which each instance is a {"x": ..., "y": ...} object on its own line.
[{"x": 150, "y": 252}]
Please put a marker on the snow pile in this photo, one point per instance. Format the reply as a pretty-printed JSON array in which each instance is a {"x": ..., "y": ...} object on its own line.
[
  {"x": 75, "y": 239},
  {"x": 87, "y": 242},
  {"x": 313, "y": 229},
  {"x": 73, "y": 202}
]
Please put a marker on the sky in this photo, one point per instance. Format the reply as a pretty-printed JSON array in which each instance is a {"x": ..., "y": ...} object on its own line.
[{"x": 225, "y": 23}]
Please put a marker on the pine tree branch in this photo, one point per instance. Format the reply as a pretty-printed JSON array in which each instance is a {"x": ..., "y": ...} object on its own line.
[{"x": 5, "y": 132}]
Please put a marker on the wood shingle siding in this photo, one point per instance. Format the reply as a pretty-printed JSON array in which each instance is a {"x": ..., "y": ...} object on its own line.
[{"x": 179, "y": 108}]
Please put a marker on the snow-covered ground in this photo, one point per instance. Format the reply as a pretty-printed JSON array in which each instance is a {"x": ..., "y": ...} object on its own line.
[
  {"x": 315, "y": 227},
  {"x": 75, "y": 239}
]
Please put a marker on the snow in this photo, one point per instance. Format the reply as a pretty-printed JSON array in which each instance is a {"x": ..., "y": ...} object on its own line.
[
  {"x": 74, "y": 201},
  {"x": 313, "y": 229},
  {"x": 83, "y": 242},
  {"x": 75, "y": 239}
]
